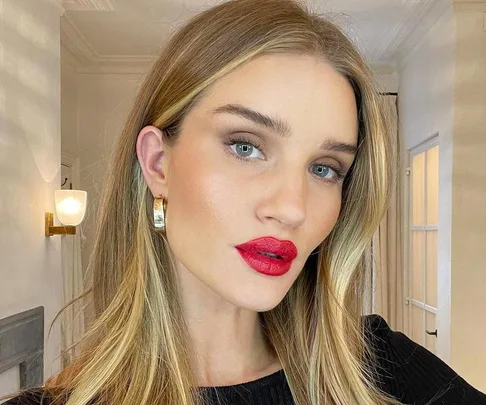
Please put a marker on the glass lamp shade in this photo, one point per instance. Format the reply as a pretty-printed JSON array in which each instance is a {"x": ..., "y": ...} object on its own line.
[{"x": 70, "y": 206}]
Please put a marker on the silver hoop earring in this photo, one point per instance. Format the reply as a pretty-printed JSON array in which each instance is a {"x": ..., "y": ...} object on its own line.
[{"x": 159, "y": 213}]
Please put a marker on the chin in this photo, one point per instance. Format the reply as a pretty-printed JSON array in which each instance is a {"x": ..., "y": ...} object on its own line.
[{"x": 258, "y": 302}]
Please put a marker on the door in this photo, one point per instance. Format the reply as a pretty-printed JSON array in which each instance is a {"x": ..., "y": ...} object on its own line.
[{"x": 422, "y": 269}]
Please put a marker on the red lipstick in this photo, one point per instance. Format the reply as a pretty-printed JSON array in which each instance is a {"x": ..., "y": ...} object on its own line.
[{"x": 268, "y": 255}]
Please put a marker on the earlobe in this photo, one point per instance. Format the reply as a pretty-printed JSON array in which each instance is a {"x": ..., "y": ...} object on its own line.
[{"x": 150, "y": 154}]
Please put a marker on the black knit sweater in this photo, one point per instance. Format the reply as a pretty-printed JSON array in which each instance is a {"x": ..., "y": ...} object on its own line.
[{"x": 407, "y": 371}]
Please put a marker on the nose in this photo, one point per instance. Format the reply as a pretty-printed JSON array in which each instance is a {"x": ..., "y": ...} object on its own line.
[{"x": 284, "y": 200}]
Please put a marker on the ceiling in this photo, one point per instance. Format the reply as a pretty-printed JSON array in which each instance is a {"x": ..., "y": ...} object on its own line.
[{"x": 116, "y": 33}]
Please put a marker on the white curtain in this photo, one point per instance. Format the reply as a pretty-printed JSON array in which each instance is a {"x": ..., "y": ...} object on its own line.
[
  {"x": 388, "y": 271},
  {"x": 72, "y": 320}
]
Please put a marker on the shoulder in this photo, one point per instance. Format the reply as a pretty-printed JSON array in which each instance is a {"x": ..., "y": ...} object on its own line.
[
  {"x": 374, "y": 325},
  {"x": 413, "y": 374}
]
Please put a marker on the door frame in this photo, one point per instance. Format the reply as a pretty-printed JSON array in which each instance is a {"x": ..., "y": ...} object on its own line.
[{"x": 428, "y": 143}]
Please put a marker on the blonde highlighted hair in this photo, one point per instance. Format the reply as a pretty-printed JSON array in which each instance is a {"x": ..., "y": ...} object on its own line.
[{"x": 136, "y": 350}]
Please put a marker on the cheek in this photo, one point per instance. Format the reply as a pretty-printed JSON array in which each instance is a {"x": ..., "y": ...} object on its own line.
[
  {"x": 326, "y": 214},
  {"x": 202, "y": 197}
]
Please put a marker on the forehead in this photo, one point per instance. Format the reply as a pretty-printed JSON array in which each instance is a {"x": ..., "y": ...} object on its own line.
[{"x": 305, "y": 91}]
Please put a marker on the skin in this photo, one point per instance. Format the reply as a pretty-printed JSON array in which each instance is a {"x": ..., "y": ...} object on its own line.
[{"x": 216, "y": 201}]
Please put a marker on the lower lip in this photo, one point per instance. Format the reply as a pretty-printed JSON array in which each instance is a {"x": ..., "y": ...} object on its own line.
[{"x": 264, "y": 264}]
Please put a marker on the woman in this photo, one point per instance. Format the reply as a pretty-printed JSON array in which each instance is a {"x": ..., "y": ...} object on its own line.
[{"x": 250, "y": 177}]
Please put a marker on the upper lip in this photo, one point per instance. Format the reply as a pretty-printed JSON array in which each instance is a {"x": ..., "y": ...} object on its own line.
[{"x": 268, "y": 244}]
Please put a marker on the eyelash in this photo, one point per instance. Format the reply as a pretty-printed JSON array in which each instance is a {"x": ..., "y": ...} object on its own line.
[{"x": 232, "y": 140}]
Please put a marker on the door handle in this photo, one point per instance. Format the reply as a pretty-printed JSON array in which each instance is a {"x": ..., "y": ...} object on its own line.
[{"x": 431, "y": 333}]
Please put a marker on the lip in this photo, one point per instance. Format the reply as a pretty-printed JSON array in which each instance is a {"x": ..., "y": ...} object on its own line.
[{"x": 251, "y": 252}]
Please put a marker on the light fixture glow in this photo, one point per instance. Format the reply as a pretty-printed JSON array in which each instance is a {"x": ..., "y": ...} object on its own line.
[
  {"x": 70, "y": 206},
  {"x": 70, "y": 210}
]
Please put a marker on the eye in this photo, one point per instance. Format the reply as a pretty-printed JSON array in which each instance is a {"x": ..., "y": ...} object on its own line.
[
  {"x": 244, "y": 149},
  {"x": 328, "y": 173}
]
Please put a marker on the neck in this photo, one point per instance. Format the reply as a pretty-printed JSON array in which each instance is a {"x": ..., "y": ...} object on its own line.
[
  {"x": 230, "y": 350},
  {"x": 228, "y": 344}
]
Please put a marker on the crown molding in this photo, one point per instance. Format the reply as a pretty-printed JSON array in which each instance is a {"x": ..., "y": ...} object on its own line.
[
  {"x": 75, "y": 42},
  {"x": 398, "y": 36},
  {"x": 437, "y": 10},
  {"x": 69, "y": 59},
  {"x": 90, "y": 5},
  {"x": 92, "y": 62}
]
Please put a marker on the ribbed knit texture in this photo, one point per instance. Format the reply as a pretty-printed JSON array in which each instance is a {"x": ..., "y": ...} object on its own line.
[
  {"x": 272, "y": 389},
  {"x": 406, "y": 370},
  {"x": 414, "y": 375}
]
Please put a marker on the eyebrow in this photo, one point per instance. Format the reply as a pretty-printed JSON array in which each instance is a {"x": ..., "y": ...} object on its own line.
[
  {"x": 280, "y": 127},
  {"x": 337, "y": 146},
  {"x": 273, "y": 124}
]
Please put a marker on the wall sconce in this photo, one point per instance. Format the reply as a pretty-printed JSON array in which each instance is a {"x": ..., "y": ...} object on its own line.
[{"x": 70, "y": 209}]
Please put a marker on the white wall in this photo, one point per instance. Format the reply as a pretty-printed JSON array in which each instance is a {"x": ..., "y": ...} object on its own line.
[
  {"x": 69, "y": 101},
  {"x": 388, "y": 81},
  {"x": 426, "y": 107},
  {"x": 30, "y": 270},
  {"x": 468, "y": 295},
  {"x": 442, "y": 90},
  {"x": 104, "y": 101}
]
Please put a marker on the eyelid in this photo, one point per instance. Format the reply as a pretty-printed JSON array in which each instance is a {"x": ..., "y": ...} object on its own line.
[
  {"x": 335, "y": 164},
  {"x": 246, "y": 136}
]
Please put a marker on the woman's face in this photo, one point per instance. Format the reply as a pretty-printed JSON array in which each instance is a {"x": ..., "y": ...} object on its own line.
[{"x": 263, "y": 153}]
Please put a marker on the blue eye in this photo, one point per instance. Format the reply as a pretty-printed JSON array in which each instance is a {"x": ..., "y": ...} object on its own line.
[
  {"x": 324, "y": 171},
  {"x": 328, "y": 173},
  {"x": 243, "y": 148}
]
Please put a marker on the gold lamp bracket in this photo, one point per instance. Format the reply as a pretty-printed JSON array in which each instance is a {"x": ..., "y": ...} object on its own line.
[{"x": 57, "y": 230}]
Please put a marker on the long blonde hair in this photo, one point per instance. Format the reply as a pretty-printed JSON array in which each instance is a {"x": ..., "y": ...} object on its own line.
[{"x": 136, "y": 350}]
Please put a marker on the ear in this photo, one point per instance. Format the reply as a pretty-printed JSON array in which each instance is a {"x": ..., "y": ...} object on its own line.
[{"x": 153, "y": 159}]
